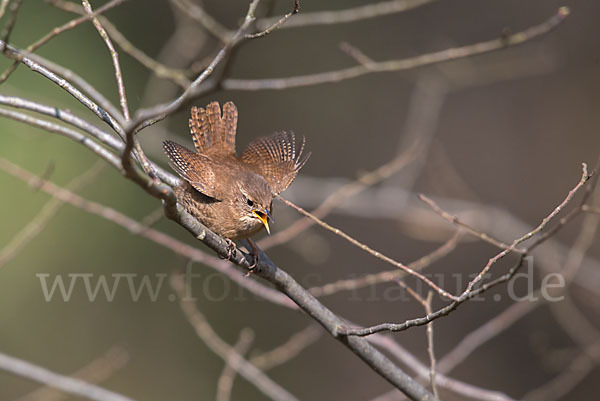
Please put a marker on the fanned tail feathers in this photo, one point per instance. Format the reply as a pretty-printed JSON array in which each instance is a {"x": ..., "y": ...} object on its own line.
[
  {"x": 213, "y": 132},
  {"x": 276, "y": 158}
]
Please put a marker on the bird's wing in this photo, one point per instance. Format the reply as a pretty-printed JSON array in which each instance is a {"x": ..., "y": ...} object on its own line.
[
  {"x": 193, "y": 167},
  {"x": 213, "y": 133},
  {"x": 276, "y": 159}
]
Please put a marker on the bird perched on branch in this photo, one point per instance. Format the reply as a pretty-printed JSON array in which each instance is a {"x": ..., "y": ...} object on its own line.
[{"x": 232, "y": 195}]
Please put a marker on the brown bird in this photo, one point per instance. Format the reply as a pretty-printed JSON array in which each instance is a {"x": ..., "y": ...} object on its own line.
[{"x": 232, "y": 195}]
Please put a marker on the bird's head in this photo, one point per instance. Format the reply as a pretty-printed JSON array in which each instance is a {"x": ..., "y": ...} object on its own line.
[{"x": 254, "y": 200}]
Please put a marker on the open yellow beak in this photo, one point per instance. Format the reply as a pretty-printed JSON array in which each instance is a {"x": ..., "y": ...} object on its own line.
[{"x": 263, "y": 217}]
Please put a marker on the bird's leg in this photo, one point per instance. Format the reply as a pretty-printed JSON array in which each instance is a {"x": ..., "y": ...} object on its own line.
[
  {"x": 231, "y": 248},
  {"x": 255, "y": 254}
]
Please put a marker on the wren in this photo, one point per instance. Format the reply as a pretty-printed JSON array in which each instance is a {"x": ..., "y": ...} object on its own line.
[{"x": 232, "y": 195}]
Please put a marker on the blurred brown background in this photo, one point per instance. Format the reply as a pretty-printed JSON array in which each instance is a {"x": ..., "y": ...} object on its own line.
[{"x": 507, "y": 130}]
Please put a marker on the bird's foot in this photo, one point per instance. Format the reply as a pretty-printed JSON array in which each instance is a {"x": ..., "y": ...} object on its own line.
[
  {"x": 255, "y": 255},
  {"x": 231, "y": 248}
]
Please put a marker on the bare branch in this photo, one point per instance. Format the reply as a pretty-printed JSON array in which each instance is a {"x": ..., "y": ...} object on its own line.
[
  {"x": 115, "y": 59},
  {"x": 485, "y": 332},
  {"x": 470, "y": 291},
  {"x": 24, "y": 57},
  {"x": 96, "y": 371},
  {"x": 160, "y": 70},
  {"x": 398, "y": 65},
  {"x": 65, "y": 116},
  {"x": 156, "y": 113},
  {"x": 346, "y": 191},
  {"x": 465, "y": 390},
  {"x": 389, "y": 275},
  {"x": 347, "y": 15},
  {"x": 68, "y": 384},
  {"x": 276, "y": 24},
  {"x": 370, "y": 250},
  {"x": 212, "y": 26},
  {"x": 156, "y": 236},
  {"x": 47, "y": 212},
  {"x": 212, "y": 340},
  {"x": 496, "y": 221},
  {"x": 591, "y": 209},
  {"x": 570, "y": 376},
  {"x": 69, "y": 133},
  {"x": 430, "y": 351},
  {"x": 540, "y": 227},
  {"x": 455, "y": 220},
  {"x": 3, "y": 7},
  {"x": 288, "y": 350},
  {"x": 225, "y": 382},
  {"x": 10, "y": 24},
  {"x": 57, "y": 31}
]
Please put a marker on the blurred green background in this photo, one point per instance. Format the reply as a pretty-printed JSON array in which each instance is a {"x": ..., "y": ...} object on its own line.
[{"x": 515, "y": 125}]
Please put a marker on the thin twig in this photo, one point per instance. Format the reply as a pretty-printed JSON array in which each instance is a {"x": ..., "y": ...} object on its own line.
[
  {"x": 398, "y": 65},
  {"x": 277, "y": 24},
  {"x": 68, "y": 384},
  {"x": 196, "y": 12},
  {"x": 70, "y": 77},
  {"x": 495, "y": 221},
  {"x": 156, "y": 236},
  {"x": 455, "y": 220},
  {"x": 590, "y": 209},
  {"x": 65, "y": 116},
  {"x": 463, "y": 389},
  {"x": 156, "y": 113},
  {"x": 175, "y": 75},
  {"x": 96, "y": 371},
  {"x": 356, "y": 54},
  {"x": 3, "y": 7},
  {"x": 509, "y": 316},
  {"x": 389, "y": 275},
  {"x": 10, "y": 24},
  {"x": 57, "y": 31},
  {"x": 226, "y": 352},
  {"x": 99, "y": 150},
  {"x": 568, "y": 378},
  {"x": 347, "y": 15},
  {"x": 470, "y": 291},
  {"x": 195, "y": 254},
  {"x": 288, "y": 350},
  {"x": 342, "y": 193},
  {"x": 370, "y": 250},
  {"x": 484, "y": 333},
  {"x": 525, "y": 237},
  {"x": 115, "y": 59},
  {"x": 71, "y": 119},
  {"x": 47, "y": 212},
  {"x": 153, "y": 217},
  {"x": 225, "y": 382},
  {"x": 430, "y": 351},
  {"x": 30, "y": 61}
]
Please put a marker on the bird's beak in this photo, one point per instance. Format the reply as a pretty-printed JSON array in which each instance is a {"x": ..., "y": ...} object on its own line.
[{"x": 264, "y": 217}]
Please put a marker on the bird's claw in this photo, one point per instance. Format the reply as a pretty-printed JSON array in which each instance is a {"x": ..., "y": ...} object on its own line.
[
  {"x": 231, "y": 248},
  {"x": 255, "y": 255},
  {"x": 252, "y": 267}
]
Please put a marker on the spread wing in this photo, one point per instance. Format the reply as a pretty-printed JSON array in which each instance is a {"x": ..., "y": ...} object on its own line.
[
  {"x": 213, "y": 133},
  {"x": 276, "y": 159},
  {"x": 193, "y": 167}
]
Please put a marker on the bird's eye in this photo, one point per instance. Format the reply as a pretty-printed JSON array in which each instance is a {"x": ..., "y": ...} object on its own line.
[{"x": 250, "y": 202}]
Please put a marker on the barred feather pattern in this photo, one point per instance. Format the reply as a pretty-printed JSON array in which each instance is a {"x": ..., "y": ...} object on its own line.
[
  {"x": 212, "y": 132},
  {"x": 193, "y": 167},
  {"x": 276, "y": 159}
]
